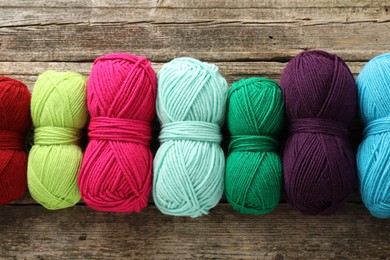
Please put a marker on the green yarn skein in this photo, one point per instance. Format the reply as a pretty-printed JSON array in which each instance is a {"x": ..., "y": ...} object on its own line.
[
  {"x": 253, "y": 180},
  {"x": 189, "y": 165},
  {"x": 59, "y": 112}
]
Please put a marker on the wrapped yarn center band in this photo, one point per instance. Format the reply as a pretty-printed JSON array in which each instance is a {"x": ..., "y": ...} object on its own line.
[
  {"x": 318, "y": 125},
  {"x": 120, "y": 129},
  {"x": 11, "y": 140},
  {"x": 378, "y": 126},
  {"x": 54, "y": 135},
  {"x": 192, "y": 131},
  {"x": 252, "y": 143}
]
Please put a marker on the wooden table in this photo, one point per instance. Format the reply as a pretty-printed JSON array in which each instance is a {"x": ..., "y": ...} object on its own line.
[{"x": 244, "y": 38}]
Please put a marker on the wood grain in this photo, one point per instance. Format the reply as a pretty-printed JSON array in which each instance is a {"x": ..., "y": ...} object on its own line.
[
  {"x": 218, "y": 31},
  {"x": 30, "y": 232}
]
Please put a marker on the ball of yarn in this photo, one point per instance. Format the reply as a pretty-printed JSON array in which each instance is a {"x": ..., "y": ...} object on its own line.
[
  {"x": 253, "y": 180},
  {"x": 59, "y": 112},
  {"x": 374, "y": 152},
  {"x": 15, "y": 122},
  {"x": 189, "y": 165},
  {"x": 116, "y": 172},
  {"x": 318, "y": 162}
]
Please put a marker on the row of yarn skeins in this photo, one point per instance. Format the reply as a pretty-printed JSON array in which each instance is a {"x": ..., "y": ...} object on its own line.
[{"x": 317, "y": 96}]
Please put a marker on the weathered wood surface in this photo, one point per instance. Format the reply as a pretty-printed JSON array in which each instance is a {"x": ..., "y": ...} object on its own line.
[
  {"x": 29, "y": 232},
  {"x": 244, "y": 38},
  {"x": 210, "y": 30}
]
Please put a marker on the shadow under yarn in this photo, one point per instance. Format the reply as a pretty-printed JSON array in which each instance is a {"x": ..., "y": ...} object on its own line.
[
  {"x": 189, "y": 165},
  {"x": 374, "y": 152},
  {"x": 318, "y": 162}
]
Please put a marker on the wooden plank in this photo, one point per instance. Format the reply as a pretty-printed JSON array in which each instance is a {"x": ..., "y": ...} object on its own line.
[
  {"x": 199, "y": 4},
  {"x": 116, "y": 13},
  {"x": 27, "y": 72},
  {"x": 218, "y": 31},
  {"x": 31, "y": 232}
]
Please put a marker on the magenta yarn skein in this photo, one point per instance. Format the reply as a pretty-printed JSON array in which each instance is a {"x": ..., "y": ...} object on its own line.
[
  {"x": 318, "y": 162},
  {"x": 116, "y": 173}
]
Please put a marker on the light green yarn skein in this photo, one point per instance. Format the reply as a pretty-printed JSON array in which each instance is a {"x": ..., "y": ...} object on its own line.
[
  {"x": 59, "y": 112},
  {"x": 189, "y": 165}
]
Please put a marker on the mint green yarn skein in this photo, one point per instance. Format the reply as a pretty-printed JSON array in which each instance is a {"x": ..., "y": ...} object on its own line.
[
  {"x": 253, "y": 180},
  {"x": 189, "y": 165},
  {"x": 59, "y": 112}
]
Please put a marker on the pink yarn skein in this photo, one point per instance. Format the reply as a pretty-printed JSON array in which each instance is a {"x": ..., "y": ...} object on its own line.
[{"x": 116, "y": 172}]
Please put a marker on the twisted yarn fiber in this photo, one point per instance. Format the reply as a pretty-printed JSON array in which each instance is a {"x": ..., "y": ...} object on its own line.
[
  {"x": 59, "y": 112},
  {"x": 253, "y": 179},
  {"x": 374, "y": 152},
  {"x": 318, "y": 162},
  {"x": 117, "y": 165},
  {"x": 15, "y": 122},
  {"x": 189, "y": 165}
]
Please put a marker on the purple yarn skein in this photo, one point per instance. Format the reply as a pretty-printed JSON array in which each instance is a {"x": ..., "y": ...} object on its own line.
[{"x": 318, "y": 161}]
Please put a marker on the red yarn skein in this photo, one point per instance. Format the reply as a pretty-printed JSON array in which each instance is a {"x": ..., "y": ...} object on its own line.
[
  {"x": 116, "y": 172},
  {"x": 15, "y": 122}
]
